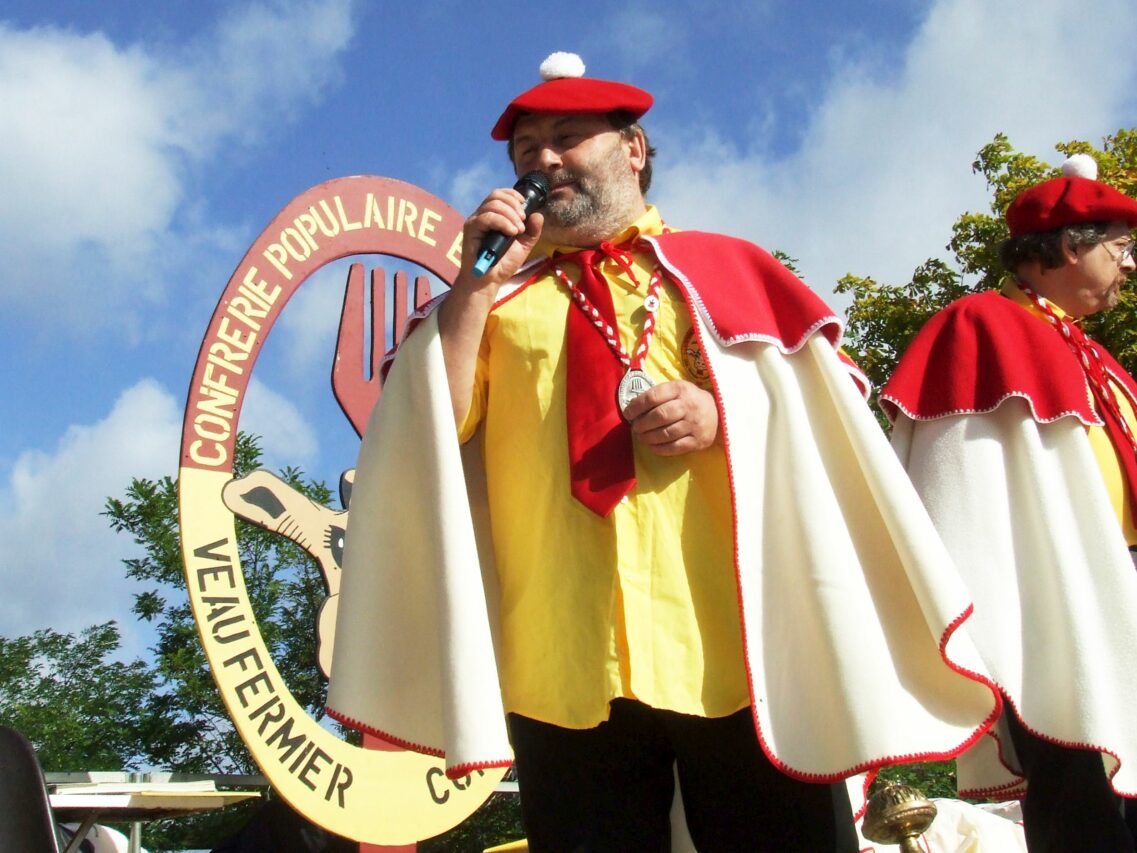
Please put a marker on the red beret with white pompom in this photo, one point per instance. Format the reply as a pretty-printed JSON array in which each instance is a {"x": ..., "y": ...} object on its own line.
[
  {"x": 565, "y": 89},
  {"x": 1075, "y": 197}
]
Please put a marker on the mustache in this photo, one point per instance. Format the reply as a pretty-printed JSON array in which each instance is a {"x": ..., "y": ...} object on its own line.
[{"x": 563, "y": 176}]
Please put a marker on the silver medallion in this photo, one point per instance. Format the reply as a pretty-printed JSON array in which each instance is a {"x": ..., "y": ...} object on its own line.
[{"x": 634, "y": 383}]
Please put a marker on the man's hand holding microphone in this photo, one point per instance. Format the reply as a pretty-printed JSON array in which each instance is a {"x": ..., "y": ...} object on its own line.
[{"x": 496, "y": 240}]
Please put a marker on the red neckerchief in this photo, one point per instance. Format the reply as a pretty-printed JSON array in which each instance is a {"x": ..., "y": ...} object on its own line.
[
  {"x": 601, "y": 457},
  {"x": 1090, "y": 360}
]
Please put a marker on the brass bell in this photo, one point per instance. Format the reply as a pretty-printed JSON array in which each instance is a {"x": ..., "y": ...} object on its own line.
[{"x": 898, "y": 814}]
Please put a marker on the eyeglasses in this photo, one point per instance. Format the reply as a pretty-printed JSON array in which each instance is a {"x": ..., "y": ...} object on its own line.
[{"x": 1125, "y": 254}]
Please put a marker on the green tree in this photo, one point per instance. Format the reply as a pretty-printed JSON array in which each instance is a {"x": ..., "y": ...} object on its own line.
[
  {"x": 883, "y": 318},
  {"x": 58, "y": 689}
]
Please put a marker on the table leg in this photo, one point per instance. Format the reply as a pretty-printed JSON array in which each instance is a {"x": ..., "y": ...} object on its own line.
[{"x": 81, "y": 832}]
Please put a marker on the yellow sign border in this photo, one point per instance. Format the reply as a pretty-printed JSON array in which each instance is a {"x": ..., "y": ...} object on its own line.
[{"x": 385, "y": 797}]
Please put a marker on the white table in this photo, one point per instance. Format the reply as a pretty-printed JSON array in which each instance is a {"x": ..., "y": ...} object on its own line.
[{"x": 86, "y": 804}]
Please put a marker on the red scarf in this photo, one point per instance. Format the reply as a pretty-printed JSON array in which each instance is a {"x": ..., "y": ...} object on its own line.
[
  {"x": 601, "y": 458},
  {"x": 1090, "y": 359}
]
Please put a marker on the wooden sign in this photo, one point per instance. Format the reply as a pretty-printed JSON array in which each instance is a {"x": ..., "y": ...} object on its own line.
[{"x": 380, "y": 796}]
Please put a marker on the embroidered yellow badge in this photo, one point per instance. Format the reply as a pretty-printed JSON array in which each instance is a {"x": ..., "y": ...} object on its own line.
[{"x": 693, "y": 361}]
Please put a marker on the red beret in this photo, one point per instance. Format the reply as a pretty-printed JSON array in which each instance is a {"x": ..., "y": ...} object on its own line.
[
  {"x": 1067, "y": 201},
  {"x": 572, "y": 94}
]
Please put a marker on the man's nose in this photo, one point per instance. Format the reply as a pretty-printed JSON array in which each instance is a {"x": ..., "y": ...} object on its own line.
[{"x": 548, "y": 159}]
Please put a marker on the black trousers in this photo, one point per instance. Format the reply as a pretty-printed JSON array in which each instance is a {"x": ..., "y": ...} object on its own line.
[
  {"x": 610, "y": 788},
  {"x": 1069, "y": 804}
]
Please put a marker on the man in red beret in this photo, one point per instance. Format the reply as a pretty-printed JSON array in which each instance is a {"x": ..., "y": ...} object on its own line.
[
  {"x": 698, "y": 551},
  {"x": 1018, "y": 432}
]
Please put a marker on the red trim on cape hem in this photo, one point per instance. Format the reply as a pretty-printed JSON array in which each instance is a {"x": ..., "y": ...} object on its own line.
[
  {"x": 1017, "y": 789},
  {"x": 860, "y": 812},
  {"x": 361, "y": 726},
  {"x": 1010, "y": 791},
  {"x": 1069, "y": 745},
  {"x": 452, "y": 772},
  {"x": 872, "y": 766},
  {"x": 460, "y": 770},
  {"x": 952, "y": 627}
]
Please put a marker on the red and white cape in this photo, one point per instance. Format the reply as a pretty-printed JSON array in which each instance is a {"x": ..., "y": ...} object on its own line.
[
  {"x": 990, "y": 412},
  {"x": 851, "y": 608}
]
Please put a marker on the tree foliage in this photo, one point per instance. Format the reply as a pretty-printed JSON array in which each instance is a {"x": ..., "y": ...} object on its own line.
[
  {"x": 84, "y": 709},
  {"x": 883, "y": 318},
  {"x": 60, "y": 689}
]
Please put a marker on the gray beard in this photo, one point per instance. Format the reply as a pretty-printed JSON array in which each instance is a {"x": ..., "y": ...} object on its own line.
[
  {"x": 584, "y": 207},
  {"x": 600, "y": 206}
]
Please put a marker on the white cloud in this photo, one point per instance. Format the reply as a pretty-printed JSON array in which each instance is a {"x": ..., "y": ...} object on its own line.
[
  {"x": 655, "y": 35},
  {"x": 261, "y": 64},
  {"x": 470, "y": 185},
  {"x": 85, "y": 148},
  {"x": 883, "y": 169},
  {"x": 69, "y": 571},
  {"x": 286, "y": 436},
  {"x": 97, "y": 141}
]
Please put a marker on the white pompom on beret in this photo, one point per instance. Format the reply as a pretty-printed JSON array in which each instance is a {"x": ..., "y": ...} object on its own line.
[
  {"x": 1080, "y": 166},
  {"x": 561, "y": 64}
]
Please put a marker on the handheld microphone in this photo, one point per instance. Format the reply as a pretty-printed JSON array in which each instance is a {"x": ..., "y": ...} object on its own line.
[{"x": 534, "y": 186}]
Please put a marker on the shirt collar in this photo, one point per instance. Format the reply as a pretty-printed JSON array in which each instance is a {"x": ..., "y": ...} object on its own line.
[
  {"x": 1015, "y": 294},
  {"x": 649, "y": 224}
]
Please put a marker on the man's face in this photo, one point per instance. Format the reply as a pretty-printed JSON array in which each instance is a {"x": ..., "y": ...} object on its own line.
[
  {"x": 592, "y": 170},
  {"x": 1098, "y": 274}
]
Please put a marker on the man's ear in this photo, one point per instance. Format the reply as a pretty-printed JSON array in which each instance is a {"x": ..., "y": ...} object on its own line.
[
  {"x": 1069, "y": 252},
  {"x": 636, "y": 146}
]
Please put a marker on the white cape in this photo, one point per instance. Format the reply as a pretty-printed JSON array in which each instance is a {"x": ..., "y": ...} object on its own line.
[
  {"x": 1024, "y": 512},
  {"x": 850, "y": 603}
]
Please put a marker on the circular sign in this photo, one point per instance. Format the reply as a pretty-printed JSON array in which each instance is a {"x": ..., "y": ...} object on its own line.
[{"x": 380, "y": 796}]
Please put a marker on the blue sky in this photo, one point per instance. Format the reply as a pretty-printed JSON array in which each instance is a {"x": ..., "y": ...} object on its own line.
[{"x": 143, "y": 146}]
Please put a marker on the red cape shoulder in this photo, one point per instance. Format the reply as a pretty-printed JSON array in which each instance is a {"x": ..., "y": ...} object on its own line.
[
  {"x": 744, "y": 291},
  {"x": 980, "y": 351}
]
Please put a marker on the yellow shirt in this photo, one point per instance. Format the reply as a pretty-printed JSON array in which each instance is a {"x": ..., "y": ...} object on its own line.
[
  {"x": 642, "y": 604},
  {"x": 1106, "y": 454}
]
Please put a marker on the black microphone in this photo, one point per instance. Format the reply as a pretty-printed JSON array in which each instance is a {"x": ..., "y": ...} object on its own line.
[{"x": 535, "y": 187}]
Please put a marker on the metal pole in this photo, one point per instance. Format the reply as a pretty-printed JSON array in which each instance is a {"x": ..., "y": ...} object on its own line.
[{"x": 135, "y": 843}]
